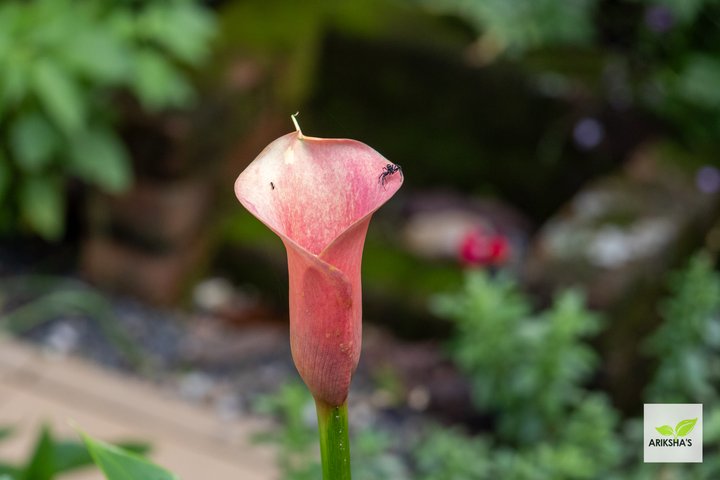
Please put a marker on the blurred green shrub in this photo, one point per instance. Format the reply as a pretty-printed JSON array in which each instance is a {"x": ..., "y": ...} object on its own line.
[
  {"x": 298, "y": 456},
  {"x": 530, "y": 391},
  {"x": 587, "y": 441},
  {"x": 688, "y": 341},
  {"x": 529, "y": 371},
  {"x": 687, "y": 349},
  {"x": 584, "y": 446},
  {"x": 61, "y": 64},
  {"x": 450, "y": 454}
]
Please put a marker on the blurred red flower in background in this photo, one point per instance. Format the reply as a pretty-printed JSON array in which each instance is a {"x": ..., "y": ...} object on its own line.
[{"x": 483, "y": 249}]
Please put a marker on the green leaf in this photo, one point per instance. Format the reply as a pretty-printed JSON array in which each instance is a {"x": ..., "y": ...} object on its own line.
[
  {"x": 158, "y": 83},
  {"x": 99, "y": 157},
  {"x": 8, "y": 18},
  {"x": 119, "y": 464},
  {"x": 41, "y": 464},
  {"x": 33, "y": 142},
  {"x": 665, "y": 430},
  {"x": 684, "y": 427},
  {"x": 98, "y": 56},
  {"x": 14, "y": 83},
  {"x": 59, "y": 94},
  {"x": 696, "y": 80},
  {"x": 184, "y": 30},
  {"x": 70, "y": 454},
  {"x": 43, "y": 206},
  {"x": 139, "y": 448},
  {"x": 8, "y": 472}
]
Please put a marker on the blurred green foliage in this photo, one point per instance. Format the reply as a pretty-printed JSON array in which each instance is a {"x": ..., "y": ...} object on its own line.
[
  {"x": 659, "y": 55},
  {"x": 450, "y": 454},
  {"x": 585, "y": 439},
  {"x": 529, "y": 371},
  {"x": 687, "y": 349},
  {"x": 51, "y": 457},
  {"x": 293, "y": 406},
  {"x": 688, "y": 341},
  {"x": 62, "y": 64},
  {"x": 570, "y": 456},
  {"x": 531, "y": 392},
  {"x": 524, "y": 24},
  {"x": 297, "y": 437}
]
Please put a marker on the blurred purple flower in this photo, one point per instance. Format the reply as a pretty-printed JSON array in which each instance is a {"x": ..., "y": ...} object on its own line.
[
  {"x": 707, "y": 179},
  {"x": 588, "y": 133},
  {"x": 659, "y": 18}
]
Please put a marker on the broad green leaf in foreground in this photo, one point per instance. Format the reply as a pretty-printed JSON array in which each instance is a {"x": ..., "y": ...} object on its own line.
[
  {"x": 684, "y": 427},
  {"x": 70, "y": 454},
  {"x": 9, "y": 472},
  {"x": 41, "y": 464},
  {"x": 665, "y": 430},
  {"x": 119, "y": 464}
]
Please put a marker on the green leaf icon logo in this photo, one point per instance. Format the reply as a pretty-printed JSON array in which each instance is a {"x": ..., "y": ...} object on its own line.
[
  {"x": 666, "y": 430},
  {"x": 684, "y": 427}
]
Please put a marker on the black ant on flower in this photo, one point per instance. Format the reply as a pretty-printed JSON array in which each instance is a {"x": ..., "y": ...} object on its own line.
[{"x": 389, "y": 169}]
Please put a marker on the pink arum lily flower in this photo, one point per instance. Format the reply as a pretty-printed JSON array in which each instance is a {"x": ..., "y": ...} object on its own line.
[{"x": 318, "y": 196}]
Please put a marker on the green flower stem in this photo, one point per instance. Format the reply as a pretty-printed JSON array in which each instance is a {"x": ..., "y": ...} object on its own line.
[{"x": 334, "y": 441}]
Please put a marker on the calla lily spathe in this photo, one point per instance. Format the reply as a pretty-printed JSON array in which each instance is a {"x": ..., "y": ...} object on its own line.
[{"x": 318, "y": 196}]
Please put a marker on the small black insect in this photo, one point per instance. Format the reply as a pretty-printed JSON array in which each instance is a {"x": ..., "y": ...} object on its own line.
[
  {"x": 390, "y": 169},
  {"x": 272, "y": 185}
]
